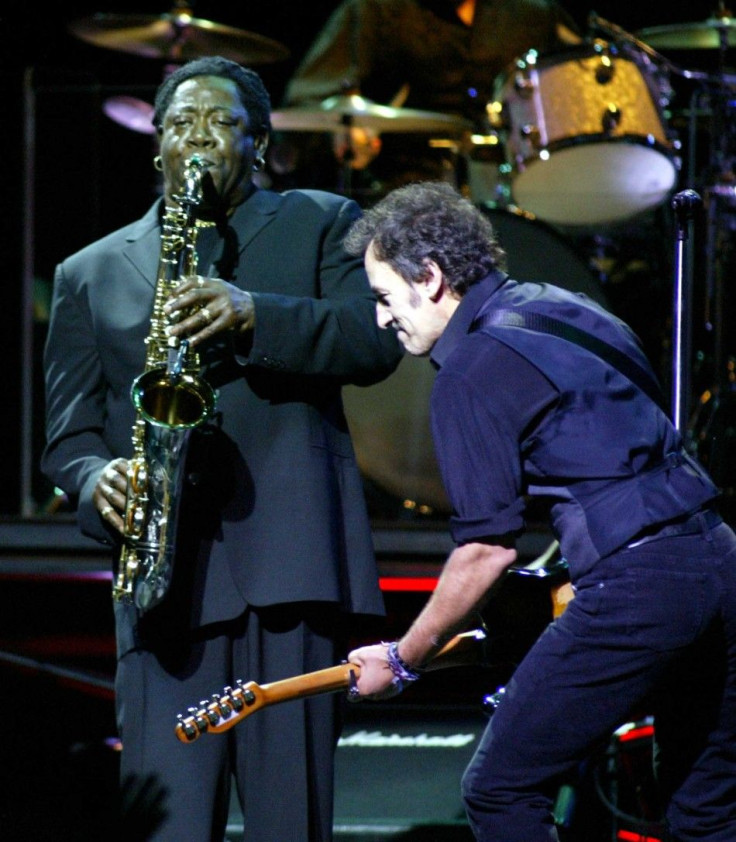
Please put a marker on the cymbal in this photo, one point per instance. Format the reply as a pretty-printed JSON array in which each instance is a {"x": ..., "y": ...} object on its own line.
[
  {"x": 337, "y": 113},
  {"x": 176, "y": 37},
  {"x": 705, "y": 35},
  {"x": 131, "y": 113}
]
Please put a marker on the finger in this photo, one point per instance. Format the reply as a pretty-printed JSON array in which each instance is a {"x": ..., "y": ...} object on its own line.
[
  {"x": 191, "y": 283},
  {"x": 114, "y": 476},
  {"x": 190, "y": 321},
  {"x": 112, "y": 488},
  {"x": 188, "y": 295},
  {"x": 111, "y": 517},
  {"x": 196, "y": 326}
]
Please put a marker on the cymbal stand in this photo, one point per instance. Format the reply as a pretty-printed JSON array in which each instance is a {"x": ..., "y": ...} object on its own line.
[
  {"x": 720, "y": 202},
  {"x": 348, "y": 156}
]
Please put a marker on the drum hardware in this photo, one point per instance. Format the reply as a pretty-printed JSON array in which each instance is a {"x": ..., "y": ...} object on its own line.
[
  {"x": 713, "y": 97},
  {"x": 605, "y": 70},
  {"x": 130, "y": 112},
  {"x": 176, "y": 36},
  {"x": 351, "y": 114},
  {"x": 711, "y": 34},
  {"x": 532, "y": 134},
  {"x": 710, "y": 99},
  {"x": 611, "y": 118},
  {"x": 337, "y": 113}
]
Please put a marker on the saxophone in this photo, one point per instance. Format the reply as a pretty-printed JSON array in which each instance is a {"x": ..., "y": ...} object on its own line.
[{"x": 170, "y": 399}]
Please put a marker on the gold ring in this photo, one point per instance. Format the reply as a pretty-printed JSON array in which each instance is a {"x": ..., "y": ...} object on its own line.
[
  {"x": 207, "y": 315},
  {"x": 106, "y": 511}
]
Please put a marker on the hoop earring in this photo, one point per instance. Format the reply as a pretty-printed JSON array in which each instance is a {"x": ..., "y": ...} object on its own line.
[
  {"x": 158, "y": 164},
  {"x": 259, "y": 163}
]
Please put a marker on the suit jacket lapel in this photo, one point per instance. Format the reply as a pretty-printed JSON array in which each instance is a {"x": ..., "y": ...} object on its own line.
[
  {"x": 253, "y": 215},
  {"x": 144, "y": 245}
]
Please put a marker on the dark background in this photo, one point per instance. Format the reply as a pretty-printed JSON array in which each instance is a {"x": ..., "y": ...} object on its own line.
[{"x": 91, "y": 175}]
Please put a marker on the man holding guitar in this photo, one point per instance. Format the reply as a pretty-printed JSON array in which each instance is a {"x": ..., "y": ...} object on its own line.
[{"x": 542, "y": 393}]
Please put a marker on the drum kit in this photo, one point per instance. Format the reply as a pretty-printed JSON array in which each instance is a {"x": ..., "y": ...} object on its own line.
[
  {"x": 584, "y": 132},
  {"x": 585, "y": 140}
]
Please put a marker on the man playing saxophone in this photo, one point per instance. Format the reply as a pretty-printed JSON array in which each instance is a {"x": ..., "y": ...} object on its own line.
[{"x": 273, "y": 547}]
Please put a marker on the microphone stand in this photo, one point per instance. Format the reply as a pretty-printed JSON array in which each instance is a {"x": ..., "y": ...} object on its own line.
[{"x": 684, "y": 204}]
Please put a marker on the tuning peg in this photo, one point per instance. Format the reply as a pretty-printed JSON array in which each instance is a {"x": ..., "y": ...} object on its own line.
[
  {"x": 186, "y": 727},
  {"x": 222, "y": 704},
  {"x": 201, "y": 721}
]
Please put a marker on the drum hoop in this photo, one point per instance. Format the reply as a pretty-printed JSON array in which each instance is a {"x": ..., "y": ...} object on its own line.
[
  {"x": 668, "y": 151},
  {"x": 572, "y": 53},
  {"x": 564, "y": 55}
]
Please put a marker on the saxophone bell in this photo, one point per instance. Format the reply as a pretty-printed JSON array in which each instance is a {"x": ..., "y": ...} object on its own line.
[
  {"x": 171, "y": 399},
  {"x": 168, "y": 409}
]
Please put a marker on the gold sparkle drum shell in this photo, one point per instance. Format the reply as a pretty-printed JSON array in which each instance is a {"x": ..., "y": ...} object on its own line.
[{"x": 585, "y": 135}]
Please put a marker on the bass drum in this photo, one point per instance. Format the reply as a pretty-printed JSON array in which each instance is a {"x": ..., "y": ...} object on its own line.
[{"x": 390, "y": 420}]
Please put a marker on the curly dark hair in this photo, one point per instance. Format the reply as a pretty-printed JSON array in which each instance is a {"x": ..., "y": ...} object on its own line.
[
  {"x": 253, "y": 94},
  {"x": 429, "y": 220}
]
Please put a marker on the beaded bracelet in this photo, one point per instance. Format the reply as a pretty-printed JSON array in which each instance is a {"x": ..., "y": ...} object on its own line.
[{"x": 403, "y": 673}]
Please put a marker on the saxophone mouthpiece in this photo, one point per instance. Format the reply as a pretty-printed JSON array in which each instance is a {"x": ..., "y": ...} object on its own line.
[
  {"x": 195, "y": 171},
  {"x": 197, "y": 162}
]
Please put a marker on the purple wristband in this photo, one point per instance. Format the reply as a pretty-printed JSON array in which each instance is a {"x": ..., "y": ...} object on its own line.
[{"x": 403, "y": 673}]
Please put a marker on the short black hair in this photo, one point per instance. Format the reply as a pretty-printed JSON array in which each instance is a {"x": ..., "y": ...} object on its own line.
[
  {"x": 429, "y": 220},
  {"x": 253, "y": 94}
]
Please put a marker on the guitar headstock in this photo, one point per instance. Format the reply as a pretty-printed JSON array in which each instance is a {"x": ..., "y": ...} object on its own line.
[{"x": 221, "y": 713}]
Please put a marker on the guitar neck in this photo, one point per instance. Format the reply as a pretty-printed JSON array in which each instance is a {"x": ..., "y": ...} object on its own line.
[{"x": 328, "y": 680}]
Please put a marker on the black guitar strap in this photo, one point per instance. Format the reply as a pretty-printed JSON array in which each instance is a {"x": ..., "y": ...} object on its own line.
[{"x": 542, "y": 323}]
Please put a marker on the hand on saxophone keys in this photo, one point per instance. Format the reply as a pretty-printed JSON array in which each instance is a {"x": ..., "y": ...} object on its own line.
[
  {"x": 109, "y": 495},
  {"x": 202, "y": 307}
]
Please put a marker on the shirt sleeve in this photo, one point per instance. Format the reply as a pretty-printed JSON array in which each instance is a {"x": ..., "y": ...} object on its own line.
[
  {"x": 333, "y": 334},
  {"x": 485, "y": 401}
]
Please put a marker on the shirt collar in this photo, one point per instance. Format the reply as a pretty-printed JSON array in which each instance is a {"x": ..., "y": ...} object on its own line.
[{"x": 463, "y": 317}]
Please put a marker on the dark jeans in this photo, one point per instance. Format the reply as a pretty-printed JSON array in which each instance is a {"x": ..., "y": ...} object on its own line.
[{"x": 635, "y": 620}]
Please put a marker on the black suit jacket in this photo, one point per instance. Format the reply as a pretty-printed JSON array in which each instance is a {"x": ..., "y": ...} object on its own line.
[{"x": 272, "y": 506}]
